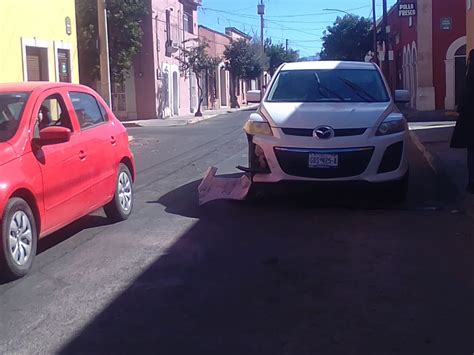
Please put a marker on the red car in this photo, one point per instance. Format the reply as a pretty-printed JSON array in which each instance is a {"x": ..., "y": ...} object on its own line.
[{"x": 63, "y": 154}]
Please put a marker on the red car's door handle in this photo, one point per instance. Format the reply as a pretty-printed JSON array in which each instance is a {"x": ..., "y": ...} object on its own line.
[
  {"x": 113, "y": 140},
  {"x": 82, "y": 155}
]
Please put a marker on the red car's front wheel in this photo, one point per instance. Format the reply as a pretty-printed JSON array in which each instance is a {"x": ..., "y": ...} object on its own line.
[
  {"x": 19, "y": 239},
  {"x": 120, "y": 208}
]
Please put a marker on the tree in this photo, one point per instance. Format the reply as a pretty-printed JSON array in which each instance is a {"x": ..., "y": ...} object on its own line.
[
  {"x": 277, "y": 55},
  {"x": 196, "y": 60},
  {"x": 87, "y": 37},
  {"x": 125, "y": 35},
  {"x": 124, "y": 18},
  {"x": 243, "y": 61},
  {"x": 348, "y": 39}
]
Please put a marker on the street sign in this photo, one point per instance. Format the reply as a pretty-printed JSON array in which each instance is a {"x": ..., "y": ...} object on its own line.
[
  {"x": 407, "y": 9},
  {"x": 446, "y": 23}
]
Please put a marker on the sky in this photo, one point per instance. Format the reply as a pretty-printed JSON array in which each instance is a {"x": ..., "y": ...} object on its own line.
[{"x": 302, "y": 22}]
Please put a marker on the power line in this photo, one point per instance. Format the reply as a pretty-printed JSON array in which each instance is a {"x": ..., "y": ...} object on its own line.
[{"x": 320, "y": 13}]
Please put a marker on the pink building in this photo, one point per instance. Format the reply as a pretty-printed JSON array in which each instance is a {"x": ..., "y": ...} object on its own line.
[
  {"x": 216, "y": 84},
  {"x": 156, "y": 88}
]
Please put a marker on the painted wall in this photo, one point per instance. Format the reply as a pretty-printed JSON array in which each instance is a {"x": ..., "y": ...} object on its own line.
[
  {"x": 146, "y": 83},
  {"x": 470, "y": 25},
  {"x": 40, "y": 24},
  {"x": 442, "y": 40},
  {"x": 155, "y": 69}
]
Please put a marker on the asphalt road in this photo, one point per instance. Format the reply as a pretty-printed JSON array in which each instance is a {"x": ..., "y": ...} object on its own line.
[{"x": 325, "y": 272}]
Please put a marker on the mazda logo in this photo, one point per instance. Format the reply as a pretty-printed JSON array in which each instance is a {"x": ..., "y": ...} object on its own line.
[{"x": 323, "y": 132}]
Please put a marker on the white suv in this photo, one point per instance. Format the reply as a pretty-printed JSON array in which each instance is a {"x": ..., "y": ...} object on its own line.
[{"x": 329, "y": 121}]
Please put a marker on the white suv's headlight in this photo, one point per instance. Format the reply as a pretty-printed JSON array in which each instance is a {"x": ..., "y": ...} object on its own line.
[
  {"x": 257, "y": 125},
  {"x": 392, "y": 125}
]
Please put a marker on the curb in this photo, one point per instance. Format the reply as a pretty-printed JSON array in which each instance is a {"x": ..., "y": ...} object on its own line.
[{"x": 180, "y": 122}]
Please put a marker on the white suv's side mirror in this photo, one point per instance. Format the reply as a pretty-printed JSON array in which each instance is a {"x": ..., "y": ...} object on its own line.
[
  {"x": 402, "y": 96},
  {"x": 254, "y": 96}
]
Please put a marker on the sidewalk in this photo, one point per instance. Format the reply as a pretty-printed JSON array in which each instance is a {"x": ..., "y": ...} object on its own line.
[
  {"x": 185, "y": 119},
  {"x": 433, "y": 140}
]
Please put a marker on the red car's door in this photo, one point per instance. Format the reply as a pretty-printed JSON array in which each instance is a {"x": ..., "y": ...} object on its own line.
[
  {"x": 98, "y": 133},
  {"x": 65, "y": 167}
]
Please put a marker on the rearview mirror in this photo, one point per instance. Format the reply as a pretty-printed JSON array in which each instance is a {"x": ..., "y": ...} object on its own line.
[
  {"x": 254, "y": 96},
  {"x": 53, "y": 135},
  {"x": 402, "y": 96}
]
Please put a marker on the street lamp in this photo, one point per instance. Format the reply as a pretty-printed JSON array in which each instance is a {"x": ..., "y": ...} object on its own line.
[
  {"x": 105, "y": 89},
  {"x": 337, "y": 10}
]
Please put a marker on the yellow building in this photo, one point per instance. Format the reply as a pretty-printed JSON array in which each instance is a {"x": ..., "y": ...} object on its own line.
[
  {"x": 470, "y": 25},
  {"x": 38, "y": 41}
]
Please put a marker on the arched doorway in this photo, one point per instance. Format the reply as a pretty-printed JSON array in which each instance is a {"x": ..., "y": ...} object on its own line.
[
  {"x": 460, "y": 73},
  {"x": 223, "y": 86},
  {"x": 455, "y": 72},
  {"x": 175, "y": 94}
]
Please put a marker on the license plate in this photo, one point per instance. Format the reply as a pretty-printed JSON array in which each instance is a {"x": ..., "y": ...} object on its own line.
[{"x": 323, "y": 160}]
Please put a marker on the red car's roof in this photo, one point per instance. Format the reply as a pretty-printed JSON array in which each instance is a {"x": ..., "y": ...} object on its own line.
[{"x": 31, "y": 86}]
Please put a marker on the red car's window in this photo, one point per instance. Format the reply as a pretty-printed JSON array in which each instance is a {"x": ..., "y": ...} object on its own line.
[
  {"x": 11, "y": 109},
  {"x": 87, "y": 109},
  {"x": 53, "y": 112}
]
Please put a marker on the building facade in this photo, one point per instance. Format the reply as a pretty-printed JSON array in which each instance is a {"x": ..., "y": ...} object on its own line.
[
  {"x": 216, "y": 83},
  {"x": 38, "y": 42},
  {"x": 427, "y": 52},
  {"x": 156, "y": 88}
]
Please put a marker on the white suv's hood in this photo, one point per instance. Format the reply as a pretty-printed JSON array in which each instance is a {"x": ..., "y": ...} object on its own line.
[{"x": 337, "y": 115}]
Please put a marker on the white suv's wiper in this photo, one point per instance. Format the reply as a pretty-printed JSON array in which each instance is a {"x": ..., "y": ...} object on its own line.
[
  {"x": 327, "y": 89},
  {"x": 357, "y": 89}
]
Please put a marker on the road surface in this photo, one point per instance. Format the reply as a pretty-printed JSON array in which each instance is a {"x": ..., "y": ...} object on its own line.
[{"x": 331, "y": 272}]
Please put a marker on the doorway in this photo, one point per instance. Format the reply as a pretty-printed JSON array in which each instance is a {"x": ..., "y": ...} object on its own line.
[
  {"x": 175, "y": 94},
  {"x": 223, "y": 86},
  {"x": 460, "y": 73}
]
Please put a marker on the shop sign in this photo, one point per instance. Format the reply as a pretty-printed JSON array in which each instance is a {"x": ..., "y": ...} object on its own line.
[
  {"x": 407, "y": 10},
  {"x": 446, "y": 23}
]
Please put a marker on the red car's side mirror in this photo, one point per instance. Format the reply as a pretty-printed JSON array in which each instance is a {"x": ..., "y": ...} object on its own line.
[{"x": 52, "y": 135}]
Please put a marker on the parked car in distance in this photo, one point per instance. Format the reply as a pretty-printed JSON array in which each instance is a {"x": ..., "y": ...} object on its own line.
[
  {"x": 63, "y": 154},
  {"x": 329, "y": 121}
]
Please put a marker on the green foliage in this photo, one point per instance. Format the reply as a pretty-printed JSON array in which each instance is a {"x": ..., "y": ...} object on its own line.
[
  {"x": 243, "y": 59},
  {"x": 278, "y": 55},
  {"x": 87, "y": 37},
  {"x": 124, "y": 18},
  {"x": 350, "y": 38},
  {"x": 125, "y": 35}
]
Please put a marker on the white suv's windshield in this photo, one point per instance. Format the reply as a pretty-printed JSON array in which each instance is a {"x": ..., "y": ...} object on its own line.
[
  {"x": 11, "y": 108},
  {"x": 335, "y": 85}
]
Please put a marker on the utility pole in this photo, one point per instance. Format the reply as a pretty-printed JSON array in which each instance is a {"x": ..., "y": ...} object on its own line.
[
  {"x": 261, "y": 12},
  {"x": 286, "y": 46},
  {"x": 104, "y": 52},
  {"x": 374, "y": 17},
  {"x": 385, "y": 41}
]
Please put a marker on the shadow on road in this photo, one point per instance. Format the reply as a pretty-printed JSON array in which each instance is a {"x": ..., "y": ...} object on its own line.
[
  {"x": 286, "y": 277},
  {"x": 87, "y": 222}
]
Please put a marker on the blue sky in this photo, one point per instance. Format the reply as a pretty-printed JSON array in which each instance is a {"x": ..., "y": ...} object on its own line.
[{"x": 301, "y": 21}]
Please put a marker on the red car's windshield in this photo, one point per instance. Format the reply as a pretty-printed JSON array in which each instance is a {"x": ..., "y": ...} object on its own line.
[{"x": 11, "y": 108}]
